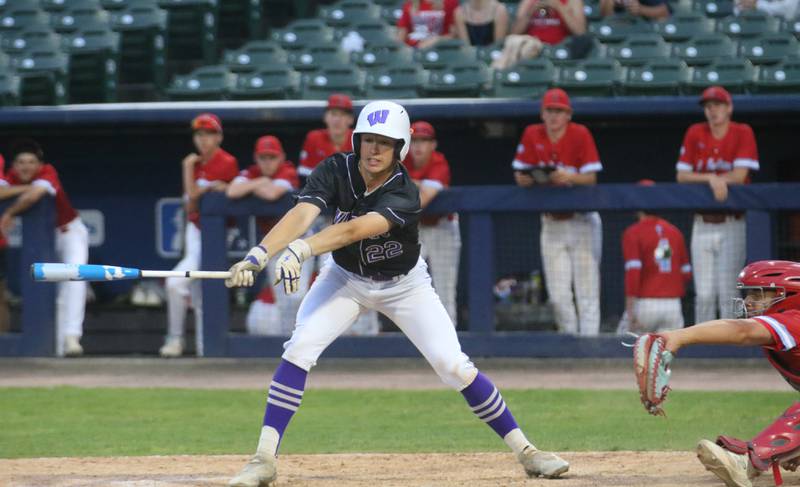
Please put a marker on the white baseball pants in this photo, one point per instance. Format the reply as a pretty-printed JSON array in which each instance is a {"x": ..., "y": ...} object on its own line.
[
  {"x": 570, "y": 257},
  {"x": 72, "y": 247},
  {"x": 441, "y": 248},
  {"x": 654, "y": 315},
  {"x": 337, "y": 297},
  {"x": 182, "y": 292},
  {"x": 718, "y": 254}
]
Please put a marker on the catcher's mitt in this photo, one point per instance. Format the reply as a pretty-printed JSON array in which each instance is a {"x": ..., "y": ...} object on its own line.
[{"x": 651, "y": 363}]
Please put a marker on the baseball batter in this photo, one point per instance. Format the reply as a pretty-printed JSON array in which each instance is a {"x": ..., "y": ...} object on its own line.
[
  {"x": 570, "y": 242},
  {"x": 439, "y": 234},
  {"x": 767, "y": 315},
  {"x": 376, "y": 265},
  {"x": 656, "y": 271},
  {"x": 269, "y": 179},
  {"x": 209, "y": 169},
  {"x": 718, "y": 152},
  {"x": 31, "y": 178}
]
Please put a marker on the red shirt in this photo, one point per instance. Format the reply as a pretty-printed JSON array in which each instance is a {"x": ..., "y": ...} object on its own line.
[
  {"x": 656, "y": 261},
  {"x": 574, "y": 152},
  {"x": 784, "y": 354},
  {"x": 319, "y": 145},
  {"x": 3, "y": 241},
  {"x": 285, "y": 176},
  {"x": 47, "y": 177},
  {"x": 702, "y": 153},
  {"x": 427, "y": 21},
  {"x": 435, "y": 173},
  {"x": 548, "y": 26},
  {"x": 221, "y": 167}
]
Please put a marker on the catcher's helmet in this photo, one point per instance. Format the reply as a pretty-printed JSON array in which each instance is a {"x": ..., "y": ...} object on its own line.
[
  {"x": 385, "y": 118},
  {"x": 781, "y": 277}
]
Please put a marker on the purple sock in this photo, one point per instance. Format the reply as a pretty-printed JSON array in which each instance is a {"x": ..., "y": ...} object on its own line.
[
  {"x": 488, "y": 405},
  {"x": 285, "y": 394}
]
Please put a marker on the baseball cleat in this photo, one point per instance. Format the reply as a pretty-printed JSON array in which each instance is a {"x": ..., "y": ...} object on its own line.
[
  {"x": 260, "y": 471},
  {"x": 72, "y": 346},
  {"x": 730, "y": 467},
  {"x": 542, "y": 464},
  {"x": 172, "y": 348}
]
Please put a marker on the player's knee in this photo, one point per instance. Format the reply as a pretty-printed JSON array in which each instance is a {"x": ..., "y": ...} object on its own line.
[{"x": 457, "y": 373}]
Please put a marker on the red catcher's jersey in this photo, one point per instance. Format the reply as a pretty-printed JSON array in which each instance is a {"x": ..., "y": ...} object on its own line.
[
  {"x": 784, "y": 354},
  {"x": 702, "y": 153},
  {"x": 318, "y": 146},
  {"x": 574, "y": 152},
  {"x": 285, "y": 176},
  {"x": 435, "y": 173},
  {"x": 47, "y": 177},
  {"x": 220, "y": 167},
  {"x": 656, "y": 261}
]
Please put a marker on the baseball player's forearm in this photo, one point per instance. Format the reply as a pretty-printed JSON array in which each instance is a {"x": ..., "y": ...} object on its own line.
[
  {"x": 26, "y": 200},
  {"x": 693, "y": 177},
  {"x": 293, "y": 224},
  {"x": 342, "y": 234},
  {"x": 427, "y": 194},
  {"x": 737, "y": 176},
  {"x": 720, "y": 332},
  {"x": 269, "y": 191},
  {"x": 242, "y": 188},
  {"x": 11, "y": 191},
  {"x": 584, "y": 179},
  {"x": 190, "y": 187}
]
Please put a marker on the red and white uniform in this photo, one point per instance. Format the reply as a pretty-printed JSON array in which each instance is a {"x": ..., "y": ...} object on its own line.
[
  {"x": 656, "y": 271},
  {"x": 72, "y": 247},
  {"x": 784, "y": 355},
  {"x": 570, "y": 243},
  {"x": 718, "y": 240},
  {"x": 427, "y": 21},
  {"x": 220, "y": 167},
  {"x": 318, "y": 146},
  {"x": 548, "y": 26},
  {"x": 439, "y": 235}
]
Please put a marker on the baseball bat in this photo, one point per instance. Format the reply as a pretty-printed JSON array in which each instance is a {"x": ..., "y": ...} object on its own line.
[{"x": 57, "y": 272}]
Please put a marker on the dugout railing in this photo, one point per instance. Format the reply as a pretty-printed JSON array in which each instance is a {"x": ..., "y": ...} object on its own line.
[{"x": 477, "y": 207}]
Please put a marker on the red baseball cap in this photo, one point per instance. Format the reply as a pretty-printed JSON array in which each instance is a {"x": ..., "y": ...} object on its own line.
[
  {"x": 422, "y": 130},
  {"x": 340, "y": 101},
  {"x": 716, "y": 93},
  {"x": 208, "y": 122},
  {"x": 268, "y": 144},
  {"x": 556, "y": 98}
]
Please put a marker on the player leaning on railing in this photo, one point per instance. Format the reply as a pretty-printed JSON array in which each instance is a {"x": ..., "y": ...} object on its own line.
[{"x": 375, "y": 265}]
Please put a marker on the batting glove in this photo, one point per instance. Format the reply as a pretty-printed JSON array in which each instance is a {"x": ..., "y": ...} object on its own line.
[
  {"x": 289, "y": 263},
  {"x": 243, "y": 273}
]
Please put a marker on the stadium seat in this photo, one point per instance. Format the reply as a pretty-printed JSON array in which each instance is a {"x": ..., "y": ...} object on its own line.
[
  {"x": 15, "y": 4},
  {"x": 255, "y": 55},
  {"x": 93, "y": 61},
  {"x": 736, "y": 75},
  {"x": 61, "y": 5},
  {"x": 369, "y": 30},
  {"x": 376, "y": 54},
  {"x": 345, "y": 79},
  {"x": 591, "y": 9},
  {"x": 444, "y": 52},
  {"x": 302, "y": 33},
  {"x": 9, "y": 88},
  {"x": 658, "y": 77},
  {"x": 528, "y": 79},
  {"x": 704, "y": 48},
  {"x": 142, "y": 42},
  {"x": 769, "y": 48},
  {"x": 616, "y": 28},
  {"x": 43, "y": 77},
  {"x": 637, "y": 49},
  {"x": 73, "y": 18},
  {"x": 348, "y": 12},
  {"x": 191, "y": 32},
  {"x": 206, "y": 83},
  {"x": 391, "y": 13},
  {"x": 680, "y": 6},
  {"x": 239, "y": 21},
  {"x": 750, "y": 23},
  {"x": 395, "y": 81},
  {"x": 277, "y": 82},
  {"x": 39, "y": 37},
  {"x": 683, "y": 26},
  {"x": 487, "y": 54},
  {"x": 593, "y": 77},
  {"x": 317, "y": 57},
  {"x": 464, "y": 79},
  {"x": 111, "y": 5},
  {"x": 560, "y": 53},
  {"x": 783, "y": 77},
  {"x": 714, "y": 9},
  {"x": 791, "y": 26},
  {"x": 18, "y": 19}
]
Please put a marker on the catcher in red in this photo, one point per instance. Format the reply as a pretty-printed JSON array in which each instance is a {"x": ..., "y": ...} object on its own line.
[{"x": 768, "y": 315}]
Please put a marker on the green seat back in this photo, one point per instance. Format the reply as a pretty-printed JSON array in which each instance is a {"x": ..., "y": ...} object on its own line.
[
  {"x": 16, "y": 19},
  {"x": 750, "y": 23},
  {"x": 302, "y": 33},
  {"x": 320, "y": 84},
  {"x": 255, "y": 55},
  {"x": 791, "y": 26},
  {"x": 704, "y": 48},
  {"x": 74, "y": 18},
  {"x": 528, "y": 79},
  {"x": 617, "y": 27},
  {"x": 378, "y": 54},
  {"x": 268, "y": 83},
  {"x": 736, "y": 75},
  {"x": 783, "y": 77},
  {"x": 369, "y": 30},
  {"x": 111, "y": 5},
  {"x": 34, "y": 37},
  {"x": 714, "y": 9},
  {"x": 594, "y": 77},
  {"x": 637, "y": 49},
  {"x": 657, "y": 77},
  {"x": 769, "y": 48},
  {"x": 139, "y": 18},
  {"x": 206, "y": 83},
  {"x": 349, "y": 12},
  {"x": 316, "y": 57},
  {"x": 464, "y": 79},
  {"x": 683, "y": 26},
  {"x": 9, "y": 88},
  {"x": 395, "y": 81},
  {"x": 445, "y": 52}
]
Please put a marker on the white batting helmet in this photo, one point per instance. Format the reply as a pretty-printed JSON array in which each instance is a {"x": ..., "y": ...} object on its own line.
[{"x": 385, "y": 118}]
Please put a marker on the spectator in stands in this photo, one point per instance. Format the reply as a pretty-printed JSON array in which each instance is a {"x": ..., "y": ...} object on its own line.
[
  {"x": 718, "y": 152},
  {"x": 649, "y": 9},
  {"x": 208, "y": 169},
  {"x": 656, "y": 272},
  {"x": 269, "y": 178},
  {"x": 335, "y": 137},
  {"x": 562, "y": 153},
  {"x": 425, "y": 22},
  {"x": 481, "y": 22},
  {"x": 439, "y": 234},
  {"x": 540, "y": 22},
  {"x": 786, "y": 9},
  {"x": 30, "y": 179}
]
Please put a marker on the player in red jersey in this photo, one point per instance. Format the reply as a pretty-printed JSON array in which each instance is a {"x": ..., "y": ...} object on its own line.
[
  {"x": 335, "y": 137},
  {"x": 31, "y": 178},
  {"x": 5, "y": 324},
  {"x": 439, "y": 234},
  {"x": 767, "y": 315},
  {"x": 209, "y": 169},
  {"x": 719, "y": 153},
  {"x": 271, "y": 177}
]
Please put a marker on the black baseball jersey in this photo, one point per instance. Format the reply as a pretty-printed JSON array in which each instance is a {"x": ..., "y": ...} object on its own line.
[{"x": 336, "y": 183}]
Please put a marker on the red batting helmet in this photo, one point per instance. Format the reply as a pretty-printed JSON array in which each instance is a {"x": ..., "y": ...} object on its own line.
[{"x": 779, "y": 276}]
